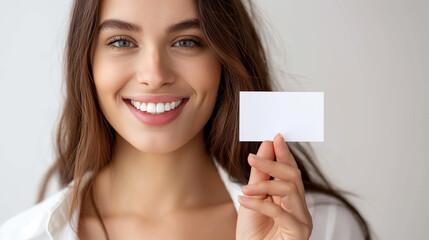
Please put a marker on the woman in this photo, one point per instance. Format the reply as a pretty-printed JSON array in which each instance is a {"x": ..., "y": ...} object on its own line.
[{"x": 148, "y": 140}]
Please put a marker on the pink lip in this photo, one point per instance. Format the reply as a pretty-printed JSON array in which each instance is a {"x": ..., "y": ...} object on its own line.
[
  {"x": 156, "y": 98},
  {"x": 156, "y": 119}
]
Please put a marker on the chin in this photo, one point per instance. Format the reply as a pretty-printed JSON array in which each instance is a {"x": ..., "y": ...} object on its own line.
[
  {"x": 152, "y": 149},
  {"x": 158, "y": 144}
]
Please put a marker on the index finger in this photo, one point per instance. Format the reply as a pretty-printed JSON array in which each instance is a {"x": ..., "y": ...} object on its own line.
[{"x": 266, "y": 150}]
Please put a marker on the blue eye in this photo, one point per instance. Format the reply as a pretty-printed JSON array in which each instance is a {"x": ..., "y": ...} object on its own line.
[
  {"x": 120, "y": 43},
  {"x": 123, "y": 43},
  {"x": 188, "y": 43}
]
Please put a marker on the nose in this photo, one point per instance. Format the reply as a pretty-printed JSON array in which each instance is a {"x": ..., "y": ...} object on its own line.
[{"x": 153, "y": 69}]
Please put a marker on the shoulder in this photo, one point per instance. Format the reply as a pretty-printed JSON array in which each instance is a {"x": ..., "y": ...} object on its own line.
[
  {"x": 331, "y": 218},
  {"x": 32, "y": 222}
]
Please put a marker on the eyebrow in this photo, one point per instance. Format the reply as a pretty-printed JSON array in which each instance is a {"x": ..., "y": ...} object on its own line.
[{"x": 119, "y": 24}]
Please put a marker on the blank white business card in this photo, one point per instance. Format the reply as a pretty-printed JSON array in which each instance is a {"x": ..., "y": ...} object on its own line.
[{"x": 298, "y": 116}]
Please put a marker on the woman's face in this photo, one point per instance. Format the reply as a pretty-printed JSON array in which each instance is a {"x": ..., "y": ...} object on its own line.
[{"x": 154, "y": 53}]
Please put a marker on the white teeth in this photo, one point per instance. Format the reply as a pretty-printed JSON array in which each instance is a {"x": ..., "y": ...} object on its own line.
[
  {"x": 167, "y": 107},
  {"x": 156, "y": 108},
  {"x": 151, "y": 108},
  {"x": 143, "y": 107},
  {"x": 159, "y": 107}
]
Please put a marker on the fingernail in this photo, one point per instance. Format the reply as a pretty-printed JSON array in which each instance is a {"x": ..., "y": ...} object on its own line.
[
  {"x": 282, "y": 139},
  {"x": 249, "y": 186},
  {"x": 243, "y": 198},
  {"x": 255, "y": 156}
]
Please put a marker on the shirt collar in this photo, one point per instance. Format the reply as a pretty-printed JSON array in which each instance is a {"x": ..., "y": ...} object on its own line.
[{"x": 58, "y": 226}]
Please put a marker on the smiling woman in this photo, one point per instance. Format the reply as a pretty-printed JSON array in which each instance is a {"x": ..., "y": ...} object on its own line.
[{"x": 148, "y": 140}]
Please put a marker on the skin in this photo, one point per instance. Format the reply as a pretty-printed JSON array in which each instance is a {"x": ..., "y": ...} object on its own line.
[
  {"x": 161, "y": 183},
  {"x": 159, "y": 175},
  {"x": 273, "y": 209}
]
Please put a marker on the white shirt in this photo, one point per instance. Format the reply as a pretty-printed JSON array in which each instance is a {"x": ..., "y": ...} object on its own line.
[{"x": 48, "y": 219}]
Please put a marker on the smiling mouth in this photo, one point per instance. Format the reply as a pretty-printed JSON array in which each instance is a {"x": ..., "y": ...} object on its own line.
[{"x": 156, "y": 108}]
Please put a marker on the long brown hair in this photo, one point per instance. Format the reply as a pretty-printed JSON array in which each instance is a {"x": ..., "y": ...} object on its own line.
[{"x": 85, "y": 139}]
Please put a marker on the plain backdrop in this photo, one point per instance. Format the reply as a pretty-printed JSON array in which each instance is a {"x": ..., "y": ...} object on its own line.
[{"x": 370, "y": 57}]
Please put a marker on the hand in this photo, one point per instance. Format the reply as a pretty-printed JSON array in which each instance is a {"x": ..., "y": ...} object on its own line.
[{"x": 276, "y": 209}]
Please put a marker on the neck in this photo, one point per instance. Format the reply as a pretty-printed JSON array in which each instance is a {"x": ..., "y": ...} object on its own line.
[{"x": 158, "y": 184}]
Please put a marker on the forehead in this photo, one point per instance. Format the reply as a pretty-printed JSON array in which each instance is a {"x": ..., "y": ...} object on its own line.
[{"x": 148, "y": 12}]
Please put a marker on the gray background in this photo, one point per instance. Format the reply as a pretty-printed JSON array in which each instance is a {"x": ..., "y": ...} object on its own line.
[{"x": 369, "y": 57}]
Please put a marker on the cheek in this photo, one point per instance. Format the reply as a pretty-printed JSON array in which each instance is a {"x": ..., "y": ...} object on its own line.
[
  {"x": 203, "y": 75},
  {"x": 110, "y": 75}
]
